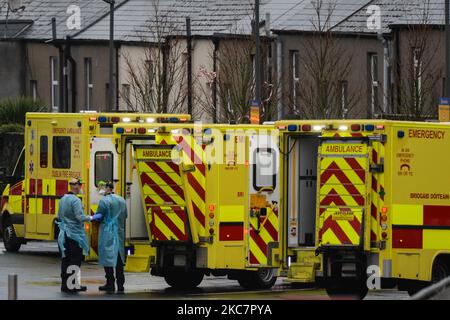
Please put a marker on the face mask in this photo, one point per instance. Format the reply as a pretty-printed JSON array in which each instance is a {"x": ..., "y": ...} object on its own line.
[
  {"x": 81, "y": 191},
  {"x": 101, "y": 192}
]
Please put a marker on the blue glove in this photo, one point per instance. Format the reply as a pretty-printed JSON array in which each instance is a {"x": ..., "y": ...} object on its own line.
[{"x": 97, "y": 217}]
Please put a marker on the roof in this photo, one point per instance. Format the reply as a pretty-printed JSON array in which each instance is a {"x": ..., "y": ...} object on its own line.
[
  {"x": 137, "y": 20},
  {"x": 395, "y": 12},
  {"x": 304, "y": 15},
  {"x": 41, "y": 13},
  {"x": 13, "y": 29}
]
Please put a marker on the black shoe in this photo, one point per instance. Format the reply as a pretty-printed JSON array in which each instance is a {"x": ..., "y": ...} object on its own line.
[
  {"x": 75, "y": 290},
  {"x": 82, "y": 289},
  {"x": 69, "y": 291},
  {"x": 108, "y": 288},
  {"x": 120, "y": 290}
]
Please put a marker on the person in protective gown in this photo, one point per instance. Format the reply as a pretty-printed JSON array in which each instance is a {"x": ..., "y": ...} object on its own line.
[
  {"x": 111, "y": 244},
  {"x": 72, "y": 239}
]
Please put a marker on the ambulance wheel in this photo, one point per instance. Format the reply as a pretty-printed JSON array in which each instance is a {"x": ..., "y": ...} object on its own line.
[
  {"x": 255, "y": 280},
  {"x": 353, "y": 290},
  {"x": 181, "y": 280},
  {"x": 10, "y": 240},
  {"x": 440, "y": 271}
]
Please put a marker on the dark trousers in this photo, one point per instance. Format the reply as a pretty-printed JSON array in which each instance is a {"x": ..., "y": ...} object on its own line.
[
  {"x": 74, "y": 257},
  {"x": 120, "y": 277}
]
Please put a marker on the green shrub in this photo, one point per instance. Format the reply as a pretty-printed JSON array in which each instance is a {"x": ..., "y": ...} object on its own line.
[
  {"x": 11, "y": 128},
  {"x": 13, "y": 111}
]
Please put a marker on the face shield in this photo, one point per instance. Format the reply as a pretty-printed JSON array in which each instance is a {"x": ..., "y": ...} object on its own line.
[{"x": 101, "y": 188}]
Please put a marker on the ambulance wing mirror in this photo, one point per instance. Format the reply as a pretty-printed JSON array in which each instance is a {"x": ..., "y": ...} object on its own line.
[{"x": 187, "y": 167}]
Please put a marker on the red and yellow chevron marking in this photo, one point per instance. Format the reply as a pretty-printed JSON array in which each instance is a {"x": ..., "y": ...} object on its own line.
[
  {"x": 377, "y": 199},
  {"x": 342, "y": 197},
  {"x": 344, "y": 135},
  {"x": 164, "y": 200},
  {"x": 195, "y": 183},
  {"x": 259, "y": 239}
]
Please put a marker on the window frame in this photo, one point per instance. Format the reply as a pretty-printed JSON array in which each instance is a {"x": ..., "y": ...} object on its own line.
[
  {"x": 89, "y": 84},
  {"x": 54, "y": 144},
  {"x": 255, "y": 167},
  {"x": 295, "y": 73},
  {"x": 95, "y": 165},
  {"x": 33, "y": 90},
  {"x": 54, "y": 82},
  {"x": 374, "y": 82},
  {"x": 40, "y": 152}
]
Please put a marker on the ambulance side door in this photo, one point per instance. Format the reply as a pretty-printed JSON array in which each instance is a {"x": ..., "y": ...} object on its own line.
[{"x": 263, "y": 234}]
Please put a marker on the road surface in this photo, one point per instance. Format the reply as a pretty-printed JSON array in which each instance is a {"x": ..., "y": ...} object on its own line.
[{"x": 37, "y": 265}]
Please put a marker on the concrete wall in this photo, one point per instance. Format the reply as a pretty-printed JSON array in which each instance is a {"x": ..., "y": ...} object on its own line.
[
  {"x": 201, "y": 57},
  {"x": 355, "y": 48},
  {"x": 12, "y": 69},
  {"x": 40, "y": 70},
  {"x": 433, "y": 66},
  {"x": 38, "y": 61},
  {"x": 99, "y": 55}
]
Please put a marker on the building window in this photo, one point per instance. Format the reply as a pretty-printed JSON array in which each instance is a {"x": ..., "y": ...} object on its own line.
[
  {"x": 417, "y": 61},
  {"x": 89, "y": 86},
  {"x": 373, "y": 82},
  {"x": 344, "y": 98},
  {"x": 126, "y": 96},
  {"x": 33, "y": 89},
  {"x": 54, "y": 70},
  {"x": 43, "y": 152},
  {"x": 61, "y": 152},
  {"x": 295, "y": 73},
  {"x": 104, "y": 164},
  {"x": 264, "y": 169}
]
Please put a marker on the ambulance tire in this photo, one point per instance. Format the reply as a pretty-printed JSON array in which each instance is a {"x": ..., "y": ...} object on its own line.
[
  {"x": 10, "y": 240},
  {"x": 440, "y": 271},
  {"x": 184, "y": 281},
  {"x": 354, "y": 289},
  {"x": 258, "y": 280}
]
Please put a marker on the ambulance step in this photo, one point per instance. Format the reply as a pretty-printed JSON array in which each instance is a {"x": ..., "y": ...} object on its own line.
[
  {"x": 304, "y": 270},
  {"x": 140, "y": 260},
  {"x": 301, "y": 273},
  {"x": 138, "y": 263}
]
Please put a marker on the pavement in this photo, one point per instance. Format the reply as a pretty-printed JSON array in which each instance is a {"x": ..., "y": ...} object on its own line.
[{"x": 37, "y": 265}]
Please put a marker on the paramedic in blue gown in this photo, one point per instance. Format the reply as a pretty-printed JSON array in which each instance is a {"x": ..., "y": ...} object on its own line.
[
  {"x": 111, "y": 244},
  {"x": 72, "y": 239}
]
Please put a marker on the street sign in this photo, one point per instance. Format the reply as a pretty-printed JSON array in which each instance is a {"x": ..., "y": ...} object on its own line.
[
  {"x": 254, "y": 112},
  {"x": 444, "y": 110}
]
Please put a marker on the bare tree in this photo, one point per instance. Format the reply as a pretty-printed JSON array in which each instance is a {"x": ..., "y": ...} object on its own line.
[
  {"x": 233, "y": 85},
  {"x": 157, "y": 79},
  {"x": 419, "y": 70},
  {"x": 322, "y": 90}
]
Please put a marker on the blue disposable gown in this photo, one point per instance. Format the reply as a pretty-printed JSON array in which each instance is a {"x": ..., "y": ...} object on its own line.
[
  {"x": 71, "y": 222},
  {"x": 112, "y": 230}
]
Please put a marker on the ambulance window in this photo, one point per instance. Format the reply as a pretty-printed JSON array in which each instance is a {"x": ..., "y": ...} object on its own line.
[
  {"x": 104, "y": 164},
  {"x": 43, "y": 156},
  {"x": 264, "y": 170},
  {"x": 19, "y": 170},
  {"x": 61, "y": 152}
]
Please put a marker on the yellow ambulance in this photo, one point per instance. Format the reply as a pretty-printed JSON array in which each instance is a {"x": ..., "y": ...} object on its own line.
[
  {"x": 208, "y": 198},
  {"x": 381, "y": 197},
  {"x": 57, "y": 148}
]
